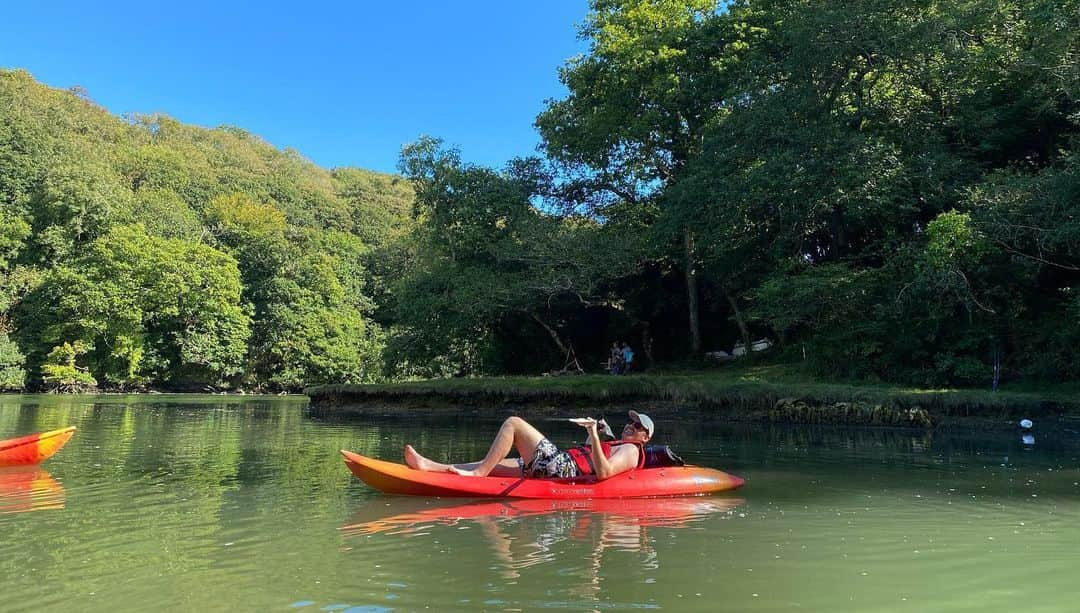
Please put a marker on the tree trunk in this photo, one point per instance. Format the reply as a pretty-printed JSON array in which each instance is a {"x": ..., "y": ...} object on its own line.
[
  {"x": 692, "y": 293},
  {"x": 839, "y": 237},
  {"x": 554, "y": 335},
  {"x": 646, "y": 341},
  {"x": 739, "y": 321}
]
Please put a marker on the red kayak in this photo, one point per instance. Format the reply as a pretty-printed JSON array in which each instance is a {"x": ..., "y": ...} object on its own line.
[
  {"x": 33, "y": 448},
  {"x": 640, "y": 483}
]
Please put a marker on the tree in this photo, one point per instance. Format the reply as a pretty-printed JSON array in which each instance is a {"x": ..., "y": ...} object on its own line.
[
  {"x": 836, "y": 190},
  {"x": 640, "y": 103},
  {"x": 307, "y": 289},
  {"x": 147, "y": 309},
  {"x": 61, "y": 374},
  {"x": 75, "y": 203},
  {"x": 12, "y": 362},
  {"x": 487, "y": 256},
  {"x": 316, "y": 326}
]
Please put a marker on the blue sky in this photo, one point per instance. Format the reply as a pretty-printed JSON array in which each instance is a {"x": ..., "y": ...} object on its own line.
[{"x": 346, "y": 84}]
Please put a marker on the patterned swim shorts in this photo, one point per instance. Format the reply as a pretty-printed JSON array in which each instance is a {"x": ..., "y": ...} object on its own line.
[{"x": 548, "y": 461}]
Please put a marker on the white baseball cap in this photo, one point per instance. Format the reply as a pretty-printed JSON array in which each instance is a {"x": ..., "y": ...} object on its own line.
[{"x": 644, "y": 420}]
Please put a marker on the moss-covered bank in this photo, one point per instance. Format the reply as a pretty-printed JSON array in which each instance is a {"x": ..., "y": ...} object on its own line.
[{"x": 767, "y": 394}]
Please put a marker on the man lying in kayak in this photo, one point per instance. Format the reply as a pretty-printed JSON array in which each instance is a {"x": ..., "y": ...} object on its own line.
[{"x": 544, "y": 458}]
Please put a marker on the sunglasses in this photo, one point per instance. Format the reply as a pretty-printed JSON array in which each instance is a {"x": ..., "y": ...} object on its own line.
[{"x": 637, "y": 426}]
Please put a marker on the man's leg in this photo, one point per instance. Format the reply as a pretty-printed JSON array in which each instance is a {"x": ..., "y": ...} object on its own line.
[
  {"x": 505, "y": 468},
  {"x": 515, "y": 432}
]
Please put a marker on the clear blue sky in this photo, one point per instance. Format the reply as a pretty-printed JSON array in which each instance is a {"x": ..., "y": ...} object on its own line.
[{"x": 346, "y": 83}]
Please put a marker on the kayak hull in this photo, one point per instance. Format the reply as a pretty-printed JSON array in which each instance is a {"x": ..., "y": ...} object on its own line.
[
  {"x": 393, "y": 478},
  {"x": 33, "y": 448}
]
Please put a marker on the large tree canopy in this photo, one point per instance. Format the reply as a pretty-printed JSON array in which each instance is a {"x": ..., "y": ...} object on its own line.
[
  {"x": 147, "y": 309},
  {"x": 886, "y": 187},
  {"x": 489, "y": 260}
]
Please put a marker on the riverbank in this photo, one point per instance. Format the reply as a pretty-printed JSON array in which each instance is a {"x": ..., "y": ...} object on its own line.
[{"x": 765, "y": 393}]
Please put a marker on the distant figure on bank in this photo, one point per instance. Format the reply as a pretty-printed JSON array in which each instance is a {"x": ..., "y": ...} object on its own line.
[
  {"x": 627, "y": 358},
  {"x": 541, "y": 458},
  {"x": 615, "y": 359}
]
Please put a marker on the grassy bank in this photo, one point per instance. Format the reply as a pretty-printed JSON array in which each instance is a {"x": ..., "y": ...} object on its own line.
[{"x": 773, "y": 392}]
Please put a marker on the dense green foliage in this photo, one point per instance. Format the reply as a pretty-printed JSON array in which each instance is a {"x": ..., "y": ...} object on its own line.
[
  {"x": 60, "y": 373},
  {"x": 144, "y": 252},
  {"x": 491, "y": 273},
  {"x": 145, "y": 308},
  {"x": 889, "y": 190}
]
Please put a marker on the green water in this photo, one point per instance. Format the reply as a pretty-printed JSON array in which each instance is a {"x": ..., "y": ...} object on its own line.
[{"x": 204, "y": 503}]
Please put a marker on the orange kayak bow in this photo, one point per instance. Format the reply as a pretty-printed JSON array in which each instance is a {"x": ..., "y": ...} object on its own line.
[{"x": 33, "y": 448}]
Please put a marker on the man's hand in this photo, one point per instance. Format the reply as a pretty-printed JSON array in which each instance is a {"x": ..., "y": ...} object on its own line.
[
  {"x": 588, "y": 423},
  {"x": 594, "y": 426}
]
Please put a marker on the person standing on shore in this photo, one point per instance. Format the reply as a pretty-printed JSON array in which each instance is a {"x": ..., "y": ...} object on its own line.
[
  {"x": 615, "y": 359},
  {"x": 627, "y": 357}
]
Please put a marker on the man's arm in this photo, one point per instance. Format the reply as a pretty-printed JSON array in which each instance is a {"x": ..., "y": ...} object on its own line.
[{"x": 623, "y": 459}]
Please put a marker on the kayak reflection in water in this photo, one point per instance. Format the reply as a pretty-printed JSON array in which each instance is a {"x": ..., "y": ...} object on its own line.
[
  {"x": 545, "y": 460},
  {"x": 523, "y": 533},
  {"x": 29, "y": 488}
]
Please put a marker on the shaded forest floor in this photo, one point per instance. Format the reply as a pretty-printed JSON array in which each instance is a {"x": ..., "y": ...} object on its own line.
[{"x": 766, "y": 392}]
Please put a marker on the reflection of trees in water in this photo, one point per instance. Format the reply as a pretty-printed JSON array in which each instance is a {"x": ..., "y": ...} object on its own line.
[
  {"x": 164, "y": 483},
  {"x": 162, "y": 476},
  {"x": 749, "y": 443},
  {"x": 783, "y": 462},
  {"x": 779, "y": 437}
]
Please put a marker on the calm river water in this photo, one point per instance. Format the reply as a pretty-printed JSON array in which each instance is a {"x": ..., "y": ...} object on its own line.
[{"x": 207, "y": 503}]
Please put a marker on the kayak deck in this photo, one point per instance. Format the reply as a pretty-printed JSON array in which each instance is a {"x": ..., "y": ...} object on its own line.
[
  {"x": 33, "y": 448},
  {"x": 393, "y": 478}
]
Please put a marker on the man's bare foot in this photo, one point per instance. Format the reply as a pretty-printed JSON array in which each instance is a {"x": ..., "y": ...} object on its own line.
[{"x": 417, "y": 461}]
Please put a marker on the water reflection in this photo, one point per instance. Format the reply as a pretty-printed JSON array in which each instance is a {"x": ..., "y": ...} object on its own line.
[
  {"x": 642, "y": 512},
  {"x": 524, "y": 533},
  {"x": 215, "y": 503},
  {"x": 29, "y": 488}
]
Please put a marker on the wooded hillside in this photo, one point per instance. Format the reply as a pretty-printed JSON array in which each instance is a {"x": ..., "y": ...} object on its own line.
[{"x": 144, "y": 252}]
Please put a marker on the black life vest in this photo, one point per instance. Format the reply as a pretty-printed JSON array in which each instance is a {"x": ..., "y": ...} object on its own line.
[{"x": 582, "y": 455}]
